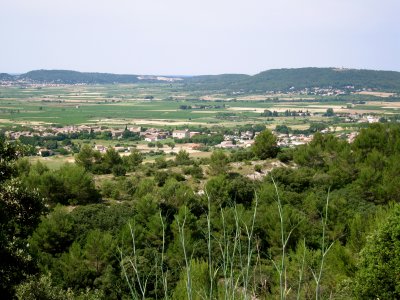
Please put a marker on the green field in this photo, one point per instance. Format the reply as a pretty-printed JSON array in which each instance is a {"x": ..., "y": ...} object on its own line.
[{"x": 159, "y": 105}]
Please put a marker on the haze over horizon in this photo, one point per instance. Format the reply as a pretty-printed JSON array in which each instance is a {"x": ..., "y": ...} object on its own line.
[{"x": 178, "y": 37}]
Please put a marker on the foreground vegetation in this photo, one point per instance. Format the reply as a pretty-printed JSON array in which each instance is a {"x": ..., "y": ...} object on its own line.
[{"x": 323, "y": 225}]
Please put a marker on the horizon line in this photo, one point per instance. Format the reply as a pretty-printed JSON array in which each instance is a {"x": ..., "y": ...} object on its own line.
[{"x": 193, "y": 75}]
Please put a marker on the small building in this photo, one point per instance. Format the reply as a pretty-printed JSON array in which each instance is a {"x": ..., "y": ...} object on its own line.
[
  {"x": 193, "y": 133},
  {"x": 248, "y": 135},
  {"x": 372, "y": 119},
  {"x": 227, "y": 145},
  {"x": 45, "y": 152},
  {"x": 181, "y": 134},
  {"x": 135, "y": 129},
  {"x": 151, "y": 138},
  {"x": 117, "y": 133},
  {"x": 246, "y": 143},
  {"x": 100, "y": 148},
  {"x": 84, "y": 128},
  {"x": 120, "y": 149},
  {"x": 194, "y": 146}
]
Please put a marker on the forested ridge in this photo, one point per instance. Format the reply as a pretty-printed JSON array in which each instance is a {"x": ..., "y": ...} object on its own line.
[
  {"x": 285, "y": 80},
  {"x": 74, "y": 77},
  {"x": 323, "y": 225},
  {"x": 299, "y": 79}
]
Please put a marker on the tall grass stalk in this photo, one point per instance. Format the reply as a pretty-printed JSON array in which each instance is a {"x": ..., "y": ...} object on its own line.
[
  {"x": 224, "y": 248},
  {"x": 141, "y": 282},
  {"x": 181, "y": 229},
  {"x": 239, "y": 248},
  {"x": 163, "y": 275},
  {"x": 210, "y": 262},
  {"x": 301, "y": 271},
  {"x": 281, "y": 269},
  {"x": 249, "y": 234},
  {"x": 138, "y": 277},
  {"x": 324, "y": 251},
  {"x": 131, "y": 289},
  {"x": 228, "y": 253}
]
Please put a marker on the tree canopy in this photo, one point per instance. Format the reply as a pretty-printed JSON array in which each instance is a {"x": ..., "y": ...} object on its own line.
[
  {"x": 20, "y": 211},
  {"x": 265, "y": 145}
]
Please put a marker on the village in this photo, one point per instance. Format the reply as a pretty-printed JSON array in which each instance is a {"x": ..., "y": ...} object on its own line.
[{"x": 145, "y": 139}]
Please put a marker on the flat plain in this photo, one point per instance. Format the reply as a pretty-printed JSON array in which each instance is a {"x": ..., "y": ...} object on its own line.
[{"x": 158, "y": 105}]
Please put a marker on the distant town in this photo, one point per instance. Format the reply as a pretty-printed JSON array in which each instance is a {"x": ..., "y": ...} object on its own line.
[{"x": 153, "y": 136}]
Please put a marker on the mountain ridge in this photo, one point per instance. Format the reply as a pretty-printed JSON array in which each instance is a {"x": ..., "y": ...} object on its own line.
[{"x": 270, "y": 80}]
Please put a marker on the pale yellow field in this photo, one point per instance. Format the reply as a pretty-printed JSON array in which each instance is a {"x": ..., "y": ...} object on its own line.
[
  {"x": 258, "y": 110},
  {"x": 377, "y": 94},
  {"x": 385, "y": 104},
  {"x": 206, "y": 111},
  {"x": 160, "y": 122}
]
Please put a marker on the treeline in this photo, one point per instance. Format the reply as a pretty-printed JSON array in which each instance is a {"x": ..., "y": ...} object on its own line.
[
  {"x": 109, "y": 162},
  {"x": 314, "y": 228},
  {"x": 74, "y": 77},
  {"x": 63, "y": 143},
  {"x": 298, "y": 79},
  {"x": 313, "y": 128},
  {"x": 270, "y": 80},
  {"x": 286, "y": 113}
]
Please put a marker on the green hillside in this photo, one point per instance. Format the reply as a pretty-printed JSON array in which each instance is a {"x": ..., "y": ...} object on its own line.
[
  {"x": 6, "y": 77},
  {"x": 298, "y": 79},
  {"x": 73, "y": 77},
  {"x": 217, "y": 82},
  {"x": 284, "y": 79},
  {"x": 271, "y": 80}
]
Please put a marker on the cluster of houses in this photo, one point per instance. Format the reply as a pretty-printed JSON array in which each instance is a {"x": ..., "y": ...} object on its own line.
[
  {"x": 359, "y": 118},
  {"x": 350, "y": 137},
  {"x": 235, "y": 144},
  {"x": 327, "y": 91},
  {"x": 156, "y": 134},
  {"x": 292, "y": 140},
  {"x": 149, "y": 135},
  {"x": 184, "y": 134},
  {"x": 231, "y": 141},
  {"x": 43, "y": 131},
  {"x": 238, "y": 140},
  {"x": 103, "y": 149}
]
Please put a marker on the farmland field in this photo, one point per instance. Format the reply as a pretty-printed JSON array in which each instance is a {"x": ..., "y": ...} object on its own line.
[{"x": 161, "y": 105}]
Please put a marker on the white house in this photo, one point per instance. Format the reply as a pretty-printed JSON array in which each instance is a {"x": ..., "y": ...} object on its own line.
[{"x": 181, "y": 134}]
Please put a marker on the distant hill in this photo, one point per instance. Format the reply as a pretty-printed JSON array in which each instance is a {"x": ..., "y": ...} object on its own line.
[
  {"x": 297, "y": 79},
  {"x": 284, "y": 79},
  {"x": 6, "y": 77},
  {"x": 74, "y": 77},
  {"x": 271, "y": 80},
  {"x": 217, "y": 82}
]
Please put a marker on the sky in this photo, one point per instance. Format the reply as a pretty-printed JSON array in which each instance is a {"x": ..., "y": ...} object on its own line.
[{"x": 188, "y": 37}]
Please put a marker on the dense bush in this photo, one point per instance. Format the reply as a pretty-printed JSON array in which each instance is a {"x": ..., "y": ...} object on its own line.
[{"x": 230, "y": 236}]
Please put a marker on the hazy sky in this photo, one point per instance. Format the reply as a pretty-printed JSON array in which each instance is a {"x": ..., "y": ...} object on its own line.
[{"x": 198, "y": 37}]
